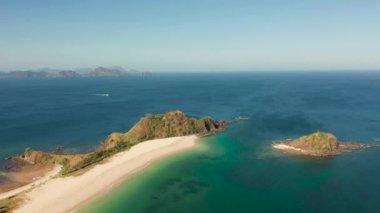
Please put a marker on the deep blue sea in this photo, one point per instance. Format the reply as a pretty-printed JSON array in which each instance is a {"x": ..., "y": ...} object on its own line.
[{"x": 236, "y": 171}]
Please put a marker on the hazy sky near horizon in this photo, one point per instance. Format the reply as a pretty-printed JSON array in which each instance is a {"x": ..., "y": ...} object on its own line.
[{"x": 196, "y": 35}]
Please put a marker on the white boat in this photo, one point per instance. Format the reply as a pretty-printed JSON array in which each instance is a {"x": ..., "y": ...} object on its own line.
[{"x": 103, "y": 94}]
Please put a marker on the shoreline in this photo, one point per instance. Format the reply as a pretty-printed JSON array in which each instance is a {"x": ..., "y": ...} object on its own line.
[
  {"x": 343, "y": 147},
  {"x": 39, "y": 180},
  {"x": 69, "y": 194},
  {"x": 285, "y": 147}
]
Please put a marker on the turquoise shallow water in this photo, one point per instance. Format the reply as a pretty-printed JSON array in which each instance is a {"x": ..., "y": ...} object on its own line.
[
  {"x": 225, "y": 176},
  {"x": 236, "y": 171}
]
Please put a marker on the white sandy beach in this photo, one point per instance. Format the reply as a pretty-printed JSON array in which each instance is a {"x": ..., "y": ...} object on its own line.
[
  {"x": 39, "y": 181},
  {"x": 286, "y": 147},
  {"x": 69, "y": 193}
]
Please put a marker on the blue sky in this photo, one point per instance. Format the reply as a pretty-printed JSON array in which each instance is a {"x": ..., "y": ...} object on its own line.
[{"x": 196, "y": 35}]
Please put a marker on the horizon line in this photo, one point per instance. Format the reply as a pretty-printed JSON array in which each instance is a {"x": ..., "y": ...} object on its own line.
[{"x": 201, "y": 71}]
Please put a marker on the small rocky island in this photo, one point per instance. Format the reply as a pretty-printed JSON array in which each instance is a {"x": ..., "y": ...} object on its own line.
[{"x": 318, "y": 144}]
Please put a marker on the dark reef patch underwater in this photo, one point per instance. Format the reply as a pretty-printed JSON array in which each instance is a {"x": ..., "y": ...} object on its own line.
[{"x": 235, "y": 171}]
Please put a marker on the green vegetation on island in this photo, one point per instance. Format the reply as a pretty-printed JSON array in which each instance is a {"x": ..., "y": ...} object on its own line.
[
  {"x": 318, "y": 144},
  {"x": 170, "y": 124},
  {"x": 150, "y": 127}
]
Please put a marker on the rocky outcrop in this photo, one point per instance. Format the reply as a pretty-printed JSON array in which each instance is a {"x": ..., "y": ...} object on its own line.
[
  {"x": 170, "y": 124},
  {"x": 318, "y": 144}
]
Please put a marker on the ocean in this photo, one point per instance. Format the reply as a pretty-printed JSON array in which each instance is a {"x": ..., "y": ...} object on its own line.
[{"x": 235, "y": 171}]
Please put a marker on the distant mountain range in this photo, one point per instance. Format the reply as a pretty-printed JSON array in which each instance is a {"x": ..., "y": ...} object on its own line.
[{"x": 83, "y": 72}]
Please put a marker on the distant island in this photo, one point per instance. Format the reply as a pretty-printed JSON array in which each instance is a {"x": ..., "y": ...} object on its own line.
[
  {"x": 121, "y": 154},
  {"x": 88, "y": 72},
  {"x": 318, "y": 144}
]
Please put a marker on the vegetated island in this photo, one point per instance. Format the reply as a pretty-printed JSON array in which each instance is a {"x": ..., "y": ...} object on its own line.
[
  {"x": 318, "y": 144},
  {"x": 80, "y": 177},
  {"x": 115, "y": 71}
]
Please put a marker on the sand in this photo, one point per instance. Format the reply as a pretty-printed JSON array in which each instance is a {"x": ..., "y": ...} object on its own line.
[
  {"x": 286, "y": 147},
  {"x": 35, "y": 181},
  {"x": 70, "y": 193}
]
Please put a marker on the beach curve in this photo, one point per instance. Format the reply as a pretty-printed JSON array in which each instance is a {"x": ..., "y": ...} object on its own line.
[{"x": 68, "y": 194}]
